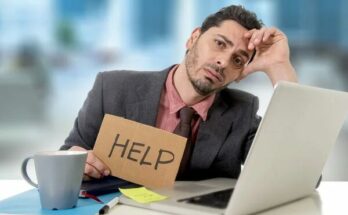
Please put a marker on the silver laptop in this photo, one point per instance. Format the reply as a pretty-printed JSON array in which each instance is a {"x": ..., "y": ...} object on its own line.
[{"x": 286, "y": 159}]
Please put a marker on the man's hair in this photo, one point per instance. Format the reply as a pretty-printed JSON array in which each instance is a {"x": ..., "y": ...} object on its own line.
[{"x": 239, "y": 14}]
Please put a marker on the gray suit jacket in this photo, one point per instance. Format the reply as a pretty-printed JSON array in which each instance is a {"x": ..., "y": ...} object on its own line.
[{"x": 223, "y": 140}]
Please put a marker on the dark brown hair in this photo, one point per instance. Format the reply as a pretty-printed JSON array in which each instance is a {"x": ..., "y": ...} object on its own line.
[
  {"x": 237, "y": 13},
  {"x": 245, "y": 18}
]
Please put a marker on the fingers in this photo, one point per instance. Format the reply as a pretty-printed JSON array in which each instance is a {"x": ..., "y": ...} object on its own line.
[
  {"x": 256, "y": 37},
  {"x": 91, "y": 171},
  {"x": 247, "y": 70},
  {"x": 250, "y": 33},
  {"x": 94, "y": 167},
  {"x": 77, "y": 148},
  {"x": 267, "y": 34},
  {"x": 86, "y": 178}
]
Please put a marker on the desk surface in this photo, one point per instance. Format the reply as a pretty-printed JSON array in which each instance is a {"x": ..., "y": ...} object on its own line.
[{"x": 331, "y": 199}]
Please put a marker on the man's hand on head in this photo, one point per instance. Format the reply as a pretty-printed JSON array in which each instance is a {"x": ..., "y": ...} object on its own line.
[
  {"x": 272, "y": 55},
  {"x": 94, "y": 167}
]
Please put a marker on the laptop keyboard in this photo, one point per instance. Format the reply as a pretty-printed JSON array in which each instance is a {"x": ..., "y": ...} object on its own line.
[{"x": 217, "y": 199}]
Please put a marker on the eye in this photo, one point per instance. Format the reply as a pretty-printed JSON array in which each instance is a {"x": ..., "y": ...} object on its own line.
[
  {"x": 220, "y": 44},
  {"x": 238, "y": 61}
]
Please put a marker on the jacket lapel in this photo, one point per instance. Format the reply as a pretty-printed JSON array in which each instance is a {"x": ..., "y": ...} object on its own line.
[
  {"x": 211, "y": 135},
  {"x": 148, "y": 95}
]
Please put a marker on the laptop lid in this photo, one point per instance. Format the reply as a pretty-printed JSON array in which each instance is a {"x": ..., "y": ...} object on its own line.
[
  {"x": 290, "y": 148},
  {"x": 285, "y": 161}
]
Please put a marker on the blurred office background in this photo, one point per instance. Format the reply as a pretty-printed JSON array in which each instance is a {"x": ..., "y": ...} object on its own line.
[{"x": 51, "y": 51}]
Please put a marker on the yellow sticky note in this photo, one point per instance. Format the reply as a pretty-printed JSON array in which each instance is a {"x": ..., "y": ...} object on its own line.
[{"x": 142, "y": 195}]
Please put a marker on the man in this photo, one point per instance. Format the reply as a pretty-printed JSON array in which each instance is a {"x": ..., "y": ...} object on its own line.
[{"x": 230, "y": 45}]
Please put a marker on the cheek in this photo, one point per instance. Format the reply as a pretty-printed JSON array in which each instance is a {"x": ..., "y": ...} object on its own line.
[
  {"x": 203, "y": 55},
  {"x": 196, "y": 62},
  {"x": 233, "y": 74}
]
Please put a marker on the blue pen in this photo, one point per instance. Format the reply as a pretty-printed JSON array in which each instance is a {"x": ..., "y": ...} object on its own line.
[{"x": 105, "y": 209}]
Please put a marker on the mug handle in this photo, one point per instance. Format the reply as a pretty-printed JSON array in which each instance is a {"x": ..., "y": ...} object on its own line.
[{"x": 24, "y": 172}]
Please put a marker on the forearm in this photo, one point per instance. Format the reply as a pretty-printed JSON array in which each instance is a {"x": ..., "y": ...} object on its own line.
[{"x": 282, "y": 72}]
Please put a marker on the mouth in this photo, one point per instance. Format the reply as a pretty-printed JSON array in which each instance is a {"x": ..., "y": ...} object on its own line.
[{"x": 213, "y": 75}]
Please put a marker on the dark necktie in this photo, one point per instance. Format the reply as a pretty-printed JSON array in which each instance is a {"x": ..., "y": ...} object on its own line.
[{"x": 184, "y": 129}]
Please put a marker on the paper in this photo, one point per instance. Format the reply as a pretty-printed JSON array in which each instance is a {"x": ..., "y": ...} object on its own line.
[
  {"x": 142, "y": 195},
  {"x": 139, "y": 153}
]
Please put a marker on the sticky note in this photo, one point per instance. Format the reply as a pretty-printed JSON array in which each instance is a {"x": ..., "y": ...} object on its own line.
[{"x": 142, "y": 195}]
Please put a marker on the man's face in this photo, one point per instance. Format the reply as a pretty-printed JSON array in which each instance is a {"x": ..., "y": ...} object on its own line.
[{"x": 217, "y": 57}]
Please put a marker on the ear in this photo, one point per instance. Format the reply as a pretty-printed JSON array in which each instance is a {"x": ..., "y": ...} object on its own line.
[{"x": 194, "y": 36}]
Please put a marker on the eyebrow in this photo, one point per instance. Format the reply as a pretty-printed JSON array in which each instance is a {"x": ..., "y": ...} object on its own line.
[{"x": 229, "y": 42}]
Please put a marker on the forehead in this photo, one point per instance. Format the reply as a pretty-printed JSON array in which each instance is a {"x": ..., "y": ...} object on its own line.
[{"x": 232, "y": 31}]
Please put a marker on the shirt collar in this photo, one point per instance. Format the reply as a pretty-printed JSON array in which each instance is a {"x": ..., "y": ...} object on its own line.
[{"x": 176, "y": 103}]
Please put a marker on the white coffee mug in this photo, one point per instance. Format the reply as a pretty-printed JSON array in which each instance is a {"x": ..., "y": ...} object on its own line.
[{"x": 59, "y": 175}]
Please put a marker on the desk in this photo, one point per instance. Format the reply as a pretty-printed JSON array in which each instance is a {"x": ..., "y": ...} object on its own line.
[
  {"x": 10, "y": 188},
  {"x": 330, "y": 199}
]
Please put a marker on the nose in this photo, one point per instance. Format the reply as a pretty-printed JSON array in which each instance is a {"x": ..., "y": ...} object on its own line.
[{"x": 222, "y": 60}]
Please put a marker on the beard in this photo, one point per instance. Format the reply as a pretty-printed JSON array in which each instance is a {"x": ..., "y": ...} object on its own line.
[{"x": 203, "y": 87}]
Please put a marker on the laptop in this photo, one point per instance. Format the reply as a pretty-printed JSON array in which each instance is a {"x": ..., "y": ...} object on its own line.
[{"x": 284, "y": 163}]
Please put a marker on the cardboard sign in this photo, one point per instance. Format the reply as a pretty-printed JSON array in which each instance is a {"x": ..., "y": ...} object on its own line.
[{"x": 139, "y": 153}]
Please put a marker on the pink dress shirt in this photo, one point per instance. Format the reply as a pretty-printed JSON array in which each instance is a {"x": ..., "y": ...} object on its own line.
[{"x": 171, "y": 103}]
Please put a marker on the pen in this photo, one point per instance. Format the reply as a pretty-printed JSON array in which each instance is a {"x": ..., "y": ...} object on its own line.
[
  {"x": 109, "y": 205},
  {"x": 84, "y": 194}
]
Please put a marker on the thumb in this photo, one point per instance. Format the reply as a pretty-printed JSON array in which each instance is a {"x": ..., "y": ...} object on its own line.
[{"x": 249, "y": 69}]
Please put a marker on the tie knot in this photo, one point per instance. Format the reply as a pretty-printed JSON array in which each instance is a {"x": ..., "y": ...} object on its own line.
[{"x": 186, "y": 114}]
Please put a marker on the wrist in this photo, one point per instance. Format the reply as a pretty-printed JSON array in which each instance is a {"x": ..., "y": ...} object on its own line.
[
  {"x": 281, "y": 72},
  {"x": 77, "y": 148}
]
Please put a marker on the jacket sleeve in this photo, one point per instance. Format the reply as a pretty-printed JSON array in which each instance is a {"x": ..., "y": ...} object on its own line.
[
  {"x": 254, "y": 124},
  {"x": 89, "y": 119}
]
